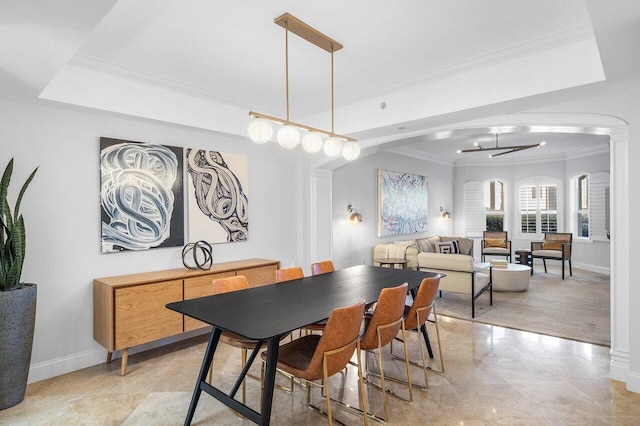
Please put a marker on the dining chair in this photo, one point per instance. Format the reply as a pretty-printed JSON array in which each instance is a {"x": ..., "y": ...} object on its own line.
[
  {"x": 322, "y": 267},
  {"x": 226, "y": 285},
  {"x": 289, "y": 274},
  {"x": 317, "y": 357},
  {"x": 318, "y": 269},
  {"x": 415, "y": 318},
  {"x": 382, "y": 326}
]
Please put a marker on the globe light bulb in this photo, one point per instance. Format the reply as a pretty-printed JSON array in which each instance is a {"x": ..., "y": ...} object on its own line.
[
  {"x": 288, "y": 137},
  {"x": 260, "y": 130},
  {"x": 312, "y": 142},
  {"x": 333, "y": 147},
  {"x": 351, "y": 151}
]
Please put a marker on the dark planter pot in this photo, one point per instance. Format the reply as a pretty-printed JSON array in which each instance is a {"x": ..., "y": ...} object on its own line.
[{"x": 17, "y": 321}]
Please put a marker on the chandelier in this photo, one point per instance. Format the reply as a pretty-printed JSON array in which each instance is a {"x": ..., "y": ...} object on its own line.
[
  {"x": 288, "y": 136},
  {"x": 506, "y": 149}
]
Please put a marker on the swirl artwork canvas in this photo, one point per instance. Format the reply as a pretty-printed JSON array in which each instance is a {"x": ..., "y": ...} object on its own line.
[
  {"x": 403, "y": 200},
  {"x": 141, "y": 195},
  {"x": 217, "y": 200}
]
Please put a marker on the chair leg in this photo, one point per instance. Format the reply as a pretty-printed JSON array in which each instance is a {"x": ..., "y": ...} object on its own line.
[
  {"x": 406, "y": 363},
  {"x": 570, "y": 271},
  {"x": 544, "y": 262},
  {"x": 382, "y": 385},
  {"x": 363, "y": 397}
]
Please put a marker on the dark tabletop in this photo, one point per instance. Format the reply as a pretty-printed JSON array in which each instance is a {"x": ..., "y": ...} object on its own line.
[{"x": 272, "y": 310}]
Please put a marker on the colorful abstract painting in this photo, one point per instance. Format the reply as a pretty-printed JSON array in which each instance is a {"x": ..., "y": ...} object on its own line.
[
  {"x": 217, "y": 201},
  {"x": 402, "y": 203},
  {"x": 141, "y": 195}
]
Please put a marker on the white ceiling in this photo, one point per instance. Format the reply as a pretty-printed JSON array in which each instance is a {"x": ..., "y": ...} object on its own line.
[{"x": 175, "y": 61}]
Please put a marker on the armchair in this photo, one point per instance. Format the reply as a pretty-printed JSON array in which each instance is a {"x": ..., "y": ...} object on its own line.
[
  {"x": 556, "y": 246},
  {"x": 495, "y": 244}
]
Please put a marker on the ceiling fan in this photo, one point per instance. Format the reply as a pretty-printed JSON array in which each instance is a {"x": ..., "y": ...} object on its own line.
[{"x": 506, "y": 149}]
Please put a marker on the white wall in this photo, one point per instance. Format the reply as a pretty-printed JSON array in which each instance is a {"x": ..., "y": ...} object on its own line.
[
  {"x": 357, "y": 184},
  {"x": 62, "y": 215}
]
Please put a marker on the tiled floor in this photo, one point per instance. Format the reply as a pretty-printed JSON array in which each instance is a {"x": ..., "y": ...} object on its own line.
[{"x": 493, "y": 376}]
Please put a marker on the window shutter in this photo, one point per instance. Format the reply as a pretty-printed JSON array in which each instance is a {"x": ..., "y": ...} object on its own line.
[
  {"x": 528, "y": 209},
  {"x": 474, "y": 210},
  {"x": 599, "y": 205}
]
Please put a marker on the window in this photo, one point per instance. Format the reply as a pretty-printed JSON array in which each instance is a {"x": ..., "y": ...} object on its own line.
[
  {"x": 581, "y": 206},
  {"x": 484, "y": 207},
  {"x": 538, "y": 208},
  {"x": 589, "y": 205},
  {"x": 494, "y": 205}
]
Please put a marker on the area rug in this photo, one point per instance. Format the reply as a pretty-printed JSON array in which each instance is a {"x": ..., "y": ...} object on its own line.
[{"x": 577, "y": 308}]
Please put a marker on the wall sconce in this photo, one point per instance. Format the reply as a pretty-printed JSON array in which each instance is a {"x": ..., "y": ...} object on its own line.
[
  {"x": 446, "y": 215},
  {"x": 355, "y": 217}
]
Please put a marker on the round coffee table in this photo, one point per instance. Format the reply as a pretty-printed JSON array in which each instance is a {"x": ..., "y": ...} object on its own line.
[
  {"x": 392, "y": 261},
  {"x": 514, "y": 277}
]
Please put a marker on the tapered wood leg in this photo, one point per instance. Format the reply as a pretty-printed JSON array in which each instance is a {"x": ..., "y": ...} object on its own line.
[
  {"x": 125, "y": 358},
  {"x": 109, "y": 354}
]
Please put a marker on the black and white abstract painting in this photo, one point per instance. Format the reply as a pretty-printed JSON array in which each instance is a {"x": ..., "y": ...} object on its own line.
[
  {"x": 217, "y": 201},
  {"x": 141, "y": 195}
]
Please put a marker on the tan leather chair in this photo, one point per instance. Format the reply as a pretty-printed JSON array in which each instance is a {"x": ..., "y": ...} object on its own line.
[
  {"x": 289, "y": 274},
  {"x": 318, "y": 357},
  {"x": 318, "y": 269},
  {"x": 418, "y": 314},
  {"x": 556, "y": 246},
  {"x": 382, "y": 326},
  {"x": 495, "y": 244},
  {"x": 322, "y": 267}
]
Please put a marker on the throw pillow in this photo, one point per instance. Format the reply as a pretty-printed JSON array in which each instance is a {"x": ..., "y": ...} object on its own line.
[
  {"x": 450, "y": 247},
  {"x": 495, "y": 242},
  {"x": 552, "y": 245},
  {"x": 456, "y": 246}
]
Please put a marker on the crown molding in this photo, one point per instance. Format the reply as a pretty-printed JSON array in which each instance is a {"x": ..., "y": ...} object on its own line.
[
  {"x": 530, "y": 47},
  {"x": 561, "y": 38},
  {"x": 102, "y": 66}
]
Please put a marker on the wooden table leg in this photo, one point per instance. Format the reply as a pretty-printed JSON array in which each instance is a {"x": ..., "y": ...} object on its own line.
[{"x": 125, "y": 358}]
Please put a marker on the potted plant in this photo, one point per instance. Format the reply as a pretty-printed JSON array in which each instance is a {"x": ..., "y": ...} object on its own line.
[{"x": 17, "y": 299}]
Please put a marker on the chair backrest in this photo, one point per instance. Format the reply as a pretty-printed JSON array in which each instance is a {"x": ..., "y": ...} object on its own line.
[
  {"x": 342, "y": 331},
  {"x": 564, "y": 237},
  {"x": 502, "y": 235},
  {"x": 322, "y": 267},
  {"x": 226, "y": 285},
  {"x": 289, "y": 274},
  {"x": 389, "y": 309},
  {"x": 422, "y": 305}
]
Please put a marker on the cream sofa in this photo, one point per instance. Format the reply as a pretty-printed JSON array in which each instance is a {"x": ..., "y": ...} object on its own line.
[
  {"x": 460, "y": 270},
  {"x": 462, "y": 275},
  {"x": 409, "y": 249}
]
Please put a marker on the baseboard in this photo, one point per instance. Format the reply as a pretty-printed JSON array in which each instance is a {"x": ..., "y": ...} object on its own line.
[
  {"x": 633, "y": 382},
  {"x": 592, "y": 268},
  {"x": 619, "y": 365},
  {"x": 67, "y": 364}
]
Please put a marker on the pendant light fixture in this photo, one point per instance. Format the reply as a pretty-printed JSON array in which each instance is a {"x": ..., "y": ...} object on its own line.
[
  {"x": 506, "y": 149},
  {"x": 288, "y": 136}
]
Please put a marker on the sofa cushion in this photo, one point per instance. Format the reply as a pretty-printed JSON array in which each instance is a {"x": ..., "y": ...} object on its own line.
[
  {"x": 547, "y": 253},
  {"x": 464, "y": 244},
  {"x": 495, "y": 242},
  {"x": 428, "y": 244}
]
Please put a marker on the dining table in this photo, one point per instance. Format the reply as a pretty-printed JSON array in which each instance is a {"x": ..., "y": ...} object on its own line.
[{"x": 266, "y": 313}]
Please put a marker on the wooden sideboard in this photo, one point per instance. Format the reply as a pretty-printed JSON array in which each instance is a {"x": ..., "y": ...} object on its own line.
[{"x": 129, "y": 310}]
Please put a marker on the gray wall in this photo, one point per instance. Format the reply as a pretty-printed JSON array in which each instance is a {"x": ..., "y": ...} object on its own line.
[
  {"x": 62, "y": 215},
  {"x": 356, "y": 184}
]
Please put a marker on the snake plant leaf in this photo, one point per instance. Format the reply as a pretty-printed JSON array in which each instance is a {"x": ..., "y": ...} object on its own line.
[{"x": 12, "y": 232}]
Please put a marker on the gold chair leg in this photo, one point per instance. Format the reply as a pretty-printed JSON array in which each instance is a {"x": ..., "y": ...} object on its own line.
[
  {"x": 363, "y": 396},
  {"x": 382, "y": 385},
  {"x": 406, "y": 363}
]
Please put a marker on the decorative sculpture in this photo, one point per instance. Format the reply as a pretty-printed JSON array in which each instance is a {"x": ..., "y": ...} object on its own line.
[{"x": 204, "y": 262}]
